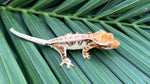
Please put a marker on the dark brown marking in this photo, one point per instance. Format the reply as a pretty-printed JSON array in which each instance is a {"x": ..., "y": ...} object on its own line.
[
  {"x": 86, "y": 48},
  {"x": 80, "y": 42},
  {"x": 87, "y": 41},
  {"x": 71, "y": 43},
  {"x": 63, "y": 55},
  {"x": 61, "y": 49},
  {"x": 68, "y": 43},
  {"x": 47, "y": 44},
  {"x": 84, "y": 53},
  {"x": 101, "y": 46},
  {"x": 92, "y": 44}
]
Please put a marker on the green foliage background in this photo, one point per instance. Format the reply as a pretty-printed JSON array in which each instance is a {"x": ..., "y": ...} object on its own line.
[{"x": 23, "y": 62}]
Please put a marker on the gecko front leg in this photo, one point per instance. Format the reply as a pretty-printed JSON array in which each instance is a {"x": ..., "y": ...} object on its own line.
[
  {"x": 62, "y": 51},
  {"x": 85, "y": 52}
]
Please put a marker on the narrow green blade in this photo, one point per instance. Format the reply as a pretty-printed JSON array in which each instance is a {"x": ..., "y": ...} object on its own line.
[
  {"x": 135, "y": 11},
  {"x": 116, "y": 8},
  {"x": 41, "y": 3},
  {"x": 109, "y": 4},
  {"x": 144, "y": 33},
  {"x": 140, "y": 39},
  {"x": 67, "y": 5},
  {"x": 16, "y": 3},
  {"x": 91, "y": 4},
  {"x": 142, "y": 20}
]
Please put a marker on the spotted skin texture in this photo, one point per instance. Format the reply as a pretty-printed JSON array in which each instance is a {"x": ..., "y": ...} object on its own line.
[{"x": 100, "y": 40}]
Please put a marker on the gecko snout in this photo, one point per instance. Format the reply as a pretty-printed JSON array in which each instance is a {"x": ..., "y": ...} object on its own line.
[{"x": 115, "y": 44}]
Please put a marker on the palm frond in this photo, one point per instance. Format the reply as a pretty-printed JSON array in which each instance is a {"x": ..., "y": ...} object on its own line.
[{"x": 128, "y": 20}]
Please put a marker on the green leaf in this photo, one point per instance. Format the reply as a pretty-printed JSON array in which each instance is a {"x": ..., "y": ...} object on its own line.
[
  {"x": 116, "y": 8},
  {"x": 110, "y": 3},
  {"x": 67, "y": 5},
  {"x": 144, "y": 33},
  {"x": 138, "y": 58},
  {"x": 42, "y": 3},
  {"x": 35, "y": 65},
  {"x": 128, "y": 20},
  {"x": 91, "y": 4},
  {"x": 142, "y": 20},
  {"x": 135, "y": 11},
  {"x": 19, "y": 3},
  {"x": 137, "y": 37},
  {"x": 10, "y": 71}
]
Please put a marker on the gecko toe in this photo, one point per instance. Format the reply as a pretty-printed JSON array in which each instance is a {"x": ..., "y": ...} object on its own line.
[
  {"x": 88, "y": 57},
  {"x": 68, "y": 62},
  {"x": 68, "y": 67},
  {"x": 61, "y": 64},
  {"x": 84, "y": 57}
]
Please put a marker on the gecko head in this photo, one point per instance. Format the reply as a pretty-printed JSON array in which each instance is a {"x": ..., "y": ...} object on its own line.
[{"x": 105, "y": 40}]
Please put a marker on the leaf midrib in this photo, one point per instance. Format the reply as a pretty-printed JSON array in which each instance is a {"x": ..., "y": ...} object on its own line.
[{"x": 71, "y": 17}]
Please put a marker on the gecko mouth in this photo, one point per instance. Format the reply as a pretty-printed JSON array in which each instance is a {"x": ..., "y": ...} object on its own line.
[{"x": 110, "y": 44}]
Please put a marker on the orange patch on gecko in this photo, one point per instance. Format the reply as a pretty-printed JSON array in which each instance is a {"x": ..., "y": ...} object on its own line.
[
  {"x": 65, "y": 37},
  {"x": 82, "y": 36},
  {"x": 53, "y": 40},
  {"x": 103, "y": 37},
  {"x": 76, "y": 36}
]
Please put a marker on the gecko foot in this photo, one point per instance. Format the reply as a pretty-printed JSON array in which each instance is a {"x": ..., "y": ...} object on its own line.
[
  {"x": 87, "y": 56},
  {"x": 66, "y": 61}
]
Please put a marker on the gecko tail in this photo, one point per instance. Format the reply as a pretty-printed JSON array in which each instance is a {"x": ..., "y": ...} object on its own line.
[{"x": 30, "y": 38}]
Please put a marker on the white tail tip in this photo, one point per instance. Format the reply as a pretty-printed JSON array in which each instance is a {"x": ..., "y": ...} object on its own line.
[
  {"x": 11, "y": 29},
  {"x": 30, "y": 38}
]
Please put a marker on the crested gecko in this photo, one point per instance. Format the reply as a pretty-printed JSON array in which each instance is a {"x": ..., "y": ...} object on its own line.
[{"x": 99, "y": 39}]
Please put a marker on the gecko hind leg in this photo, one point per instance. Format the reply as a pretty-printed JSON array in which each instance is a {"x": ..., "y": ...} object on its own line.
[
  {"x": 66, "y": 61},
  {"x": 63, "y": 54}
]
